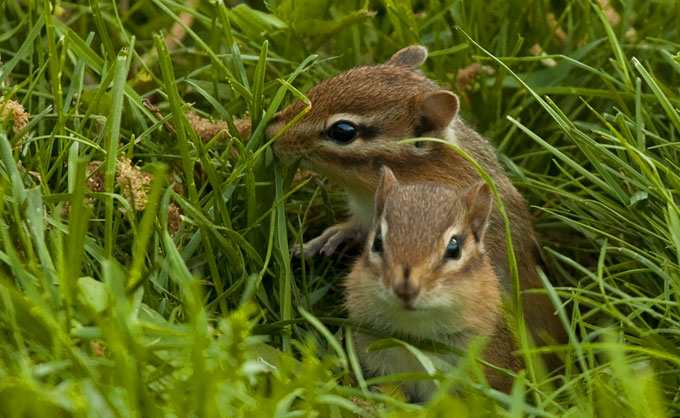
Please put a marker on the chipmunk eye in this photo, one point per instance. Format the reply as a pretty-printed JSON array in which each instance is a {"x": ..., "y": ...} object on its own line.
[
  {"x": 453, "y": 249},
  {"x": 343, "y": 132},
  {"x": 377, "y": 246}
]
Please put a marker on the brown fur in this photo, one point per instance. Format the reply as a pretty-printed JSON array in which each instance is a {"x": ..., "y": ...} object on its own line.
[
  {"x": 410, "y": 57},
  {"x": 458, "y": 299},
  {"x": 392, "y": 97}
]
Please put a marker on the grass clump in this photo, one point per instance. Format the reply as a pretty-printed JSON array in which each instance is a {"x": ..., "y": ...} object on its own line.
[{"x": 146, "y": 272}]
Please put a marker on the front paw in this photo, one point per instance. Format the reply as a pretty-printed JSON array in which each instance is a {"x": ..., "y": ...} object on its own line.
[
  {"x": 310, "y": 248},
  {"x": 329, "y": 240}
]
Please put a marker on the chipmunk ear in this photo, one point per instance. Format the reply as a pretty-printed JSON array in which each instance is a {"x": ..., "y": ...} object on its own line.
[
  {"x": 387, "y": 183},
  {"x": 435, "y": 110},
  {"x": 479, "y": 201},
  {"x": 410, "y": 57}
]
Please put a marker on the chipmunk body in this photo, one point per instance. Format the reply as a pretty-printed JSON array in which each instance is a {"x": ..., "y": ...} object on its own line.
[
  {"x": 425, "y": 274},
  {"x": 352, "y": 130}
]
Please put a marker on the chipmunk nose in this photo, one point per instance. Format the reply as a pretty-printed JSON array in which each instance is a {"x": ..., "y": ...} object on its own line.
[{"x": 406, "y": 289}]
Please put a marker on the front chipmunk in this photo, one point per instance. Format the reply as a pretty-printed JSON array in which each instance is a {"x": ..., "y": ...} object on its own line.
[
  {"x": 425, "y": 274},
  {"x": 353, "y": 129}
]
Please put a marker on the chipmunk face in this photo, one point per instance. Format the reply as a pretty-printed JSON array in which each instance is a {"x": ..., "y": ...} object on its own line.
[
  {"x": 424, "y": 260},
  {"x": 357, "y": 118}
]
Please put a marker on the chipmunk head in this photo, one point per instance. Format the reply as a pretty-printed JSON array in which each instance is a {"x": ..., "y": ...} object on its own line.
[
  {"x": 425, "y": 255},
  {"x": 357, "y": 118}
]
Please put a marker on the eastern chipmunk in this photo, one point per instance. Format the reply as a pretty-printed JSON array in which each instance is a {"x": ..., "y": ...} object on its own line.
[
  {"x": 353, "y": 128},
  {"x": 424, "y": 274}
]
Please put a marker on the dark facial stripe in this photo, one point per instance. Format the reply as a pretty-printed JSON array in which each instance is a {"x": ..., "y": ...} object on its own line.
[
  {"x": 404, "y": 160},
  {"x": 368, "y": 132},
  {"x": 471, "y": 265},
  {"x": 421, "y": 127}
]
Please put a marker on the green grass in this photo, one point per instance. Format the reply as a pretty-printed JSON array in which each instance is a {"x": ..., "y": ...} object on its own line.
[{"x": 105, "y": 312}]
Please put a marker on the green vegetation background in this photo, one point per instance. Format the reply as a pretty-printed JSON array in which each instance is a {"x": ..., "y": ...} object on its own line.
[{"x": 107, "y": 311}]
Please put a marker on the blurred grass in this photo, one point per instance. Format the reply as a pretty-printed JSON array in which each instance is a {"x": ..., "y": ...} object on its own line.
[{"x": 107, "y": 311}]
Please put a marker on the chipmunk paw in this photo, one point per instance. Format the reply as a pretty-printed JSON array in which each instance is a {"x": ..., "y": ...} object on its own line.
[{"x": 329, "y": 240}]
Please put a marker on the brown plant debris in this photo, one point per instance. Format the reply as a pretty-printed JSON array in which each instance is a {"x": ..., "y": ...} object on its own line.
[
  {"x": 538, "y": 51},
  {"x": 560, "y": 34},
  {"x": 243, "y": 127},
  {"x": 96, "y": 181},
  {"x": 134, "y": 183},
  {"x": 204, "y": 128},
  {"x": 177, "y": 187},
  {"x": 610, "y": 13},
  {"x": 177, "y": 31},
  {"x": 98, "y": 349},
  {"x": 157, "y": 113},
  {"x": 18, "y": 114},
  {"x": 174, "y": 218},
  {"x": 467, "y": 75}
]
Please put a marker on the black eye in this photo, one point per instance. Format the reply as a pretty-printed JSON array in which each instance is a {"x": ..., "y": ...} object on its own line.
[
  {"x": 453, "y": 249},
  {"x": 343, "y": 132},
  {"x": 377, "y": 246}
]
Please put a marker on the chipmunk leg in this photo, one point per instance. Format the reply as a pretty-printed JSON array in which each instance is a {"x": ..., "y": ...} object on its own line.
[{"x": 329, "y": 240}]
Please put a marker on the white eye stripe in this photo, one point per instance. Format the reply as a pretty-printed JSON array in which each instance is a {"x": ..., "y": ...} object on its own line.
[
  {"x": 454, "y": 230},
  {"x": 383, "y": 229},
  {"x": 450, "y": 135},
  {"x": 361, "y": 148},
  {"x": 350, "y": 117}
]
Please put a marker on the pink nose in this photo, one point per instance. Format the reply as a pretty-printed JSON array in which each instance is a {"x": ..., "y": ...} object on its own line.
[{"x": 406, "y": 291}]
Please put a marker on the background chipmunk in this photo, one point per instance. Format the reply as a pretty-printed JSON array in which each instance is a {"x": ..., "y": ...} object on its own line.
[
  {"x": 425, "y": 274},
  {"x": 353, "y": 129}
]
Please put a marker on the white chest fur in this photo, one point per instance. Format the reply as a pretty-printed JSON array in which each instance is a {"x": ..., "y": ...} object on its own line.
[{"x": 400, "y": 360}]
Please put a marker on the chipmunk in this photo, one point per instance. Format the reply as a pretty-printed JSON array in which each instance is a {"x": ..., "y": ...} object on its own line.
[
  {"x": 424, "y": 274},
  {"x": 353, "y": 128}
]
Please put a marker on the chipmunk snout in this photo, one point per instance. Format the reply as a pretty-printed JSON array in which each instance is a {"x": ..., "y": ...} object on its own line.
[{"x": 406, "y": 289}]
